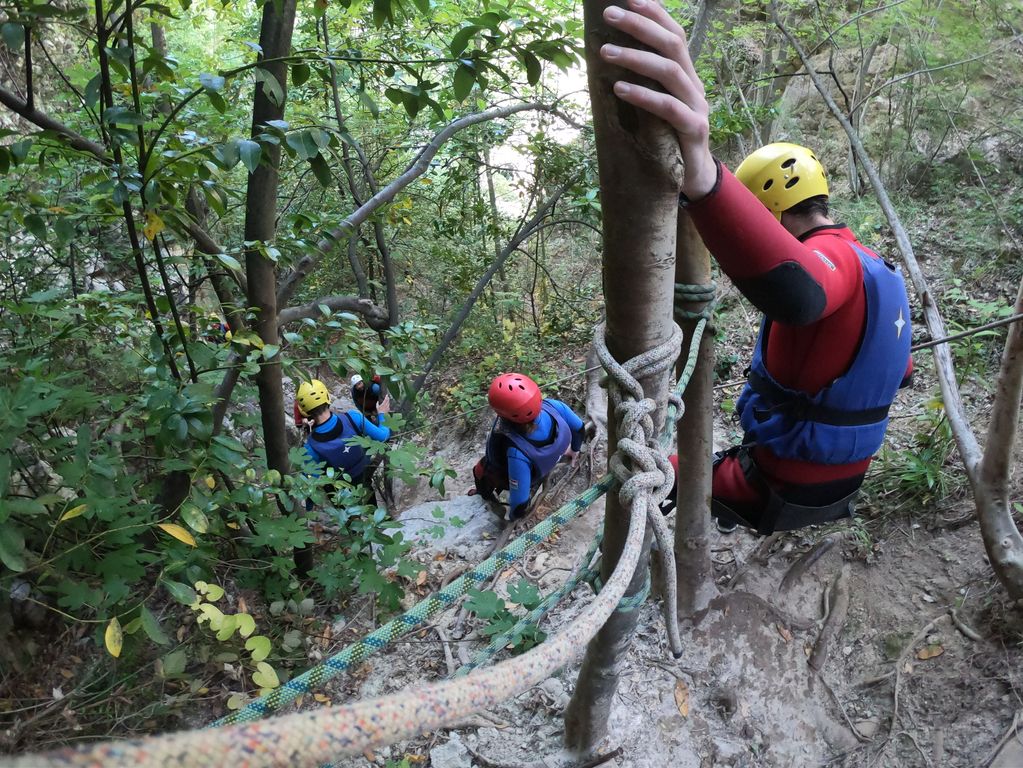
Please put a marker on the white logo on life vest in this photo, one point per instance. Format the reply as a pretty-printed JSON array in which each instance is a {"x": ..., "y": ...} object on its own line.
[
  {"x": 899, "y": 325},
  {"x": 827, "y": 262}
]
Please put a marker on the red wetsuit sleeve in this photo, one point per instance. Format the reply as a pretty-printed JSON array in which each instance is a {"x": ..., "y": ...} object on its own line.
[{"x": 789, "y": 281}]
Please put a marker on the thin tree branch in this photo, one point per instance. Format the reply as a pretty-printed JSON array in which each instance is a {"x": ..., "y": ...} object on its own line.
[
  {"x": 965, "y": 439},
  {"x": 416, "y": 168},
  {"x": 526, "y": 231},
  {"x": 44, "y": 121}
]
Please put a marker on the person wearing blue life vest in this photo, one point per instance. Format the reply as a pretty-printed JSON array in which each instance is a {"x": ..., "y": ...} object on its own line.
[
  {"x": 330, "y": 441},
  {"x": 529, "y": 437}
]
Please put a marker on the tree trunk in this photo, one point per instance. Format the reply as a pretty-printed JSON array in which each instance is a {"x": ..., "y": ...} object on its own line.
[
  {"x": 1002, "y": 538},
  {"x": 260, "y": 227},
  {"x": 640, "y": 176},
  {"x": 695, "y": 438}
]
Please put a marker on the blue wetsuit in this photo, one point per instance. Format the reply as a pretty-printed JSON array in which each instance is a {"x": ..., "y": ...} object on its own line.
[
  {"x": 520, "y": 468},
  {"x": 331, "y": 442}
]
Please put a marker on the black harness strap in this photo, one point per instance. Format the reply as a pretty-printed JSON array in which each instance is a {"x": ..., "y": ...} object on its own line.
[{"x": 800, "y": 407}]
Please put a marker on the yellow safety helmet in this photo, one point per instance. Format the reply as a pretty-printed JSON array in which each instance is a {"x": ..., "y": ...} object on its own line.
[
  {"x": 310, "y": 395},
  {"x": 782, "y": 175}
]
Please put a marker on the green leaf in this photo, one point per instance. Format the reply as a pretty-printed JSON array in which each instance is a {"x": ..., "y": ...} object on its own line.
[
  {"x": 486, "y": 604},
  {"x": 246, "y": 624},
  {"x": 195, "y": 518},
  {"x": 265, "y": 676},
  {"x": 321, "y": 171},
  {"x": 35, "y": 224},
  {"x": 183, "y": 593},
  {"x": 524, "y": 593},
  {"x": 381, "y": 12},
  {"x": 300, "y": 73},
  {"x": 172, "y": 665},
  {"x": 533, "y": 67},
  {"x": 229, "y": 261},
  {"x": 369, "y": 104},
  {"x": 217, "y": 101},
  {"x": 423, "y": 6},
  {"x": 258, "y": 646},
  {"x": 151, "y": 626},
  {"x": 12, "y": 548},
  {"x": 14, "y": 35},
  {"x": 461, "y": 39},
  {"x": 465, "y": 78},
  {"x": 250, "y": 153}
]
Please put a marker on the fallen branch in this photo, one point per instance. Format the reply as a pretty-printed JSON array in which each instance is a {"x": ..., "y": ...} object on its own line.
[
  {"x": 964, "y": 628},
  {"x": 900, "y": 662},
  {"x": 835, "y": 621},
  {"x": 803, "y": 563}
]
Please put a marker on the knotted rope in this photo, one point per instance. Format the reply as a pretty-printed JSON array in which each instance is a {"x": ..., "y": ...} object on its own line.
[{"x": 639, "y": 462}]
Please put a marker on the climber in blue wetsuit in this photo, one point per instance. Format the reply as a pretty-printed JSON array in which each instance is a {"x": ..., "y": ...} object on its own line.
[
  {"x": 529, "y": 437},
  {"x": 330, "y": 438}
]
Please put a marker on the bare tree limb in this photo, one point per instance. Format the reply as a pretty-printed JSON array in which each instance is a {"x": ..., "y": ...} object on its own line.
[
  {"x": 416, "y": 168},
  {"x": 376, "y": 316},
  {"x": 525, "y": 231},
  {"x": 44, "y": 121},
  {"x": 967, "y": 442}
]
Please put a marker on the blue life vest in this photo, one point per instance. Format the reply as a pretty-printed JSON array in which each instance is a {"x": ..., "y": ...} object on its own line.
[
  {"x": 845, "y": 422},
  {"x": 332, "y": 446},
  {"x": 543, "y": 455}
]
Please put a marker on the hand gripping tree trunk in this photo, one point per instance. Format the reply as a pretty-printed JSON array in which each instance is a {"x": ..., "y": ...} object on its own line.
[
  {"x": 260, "y": 228},
  {"x": 640, "y": 174},
  {"x": 695, "y": 437}
]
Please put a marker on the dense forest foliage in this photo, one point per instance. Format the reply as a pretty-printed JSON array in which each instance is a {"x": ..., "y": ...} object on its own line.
[{"x": 204, "y": 203}]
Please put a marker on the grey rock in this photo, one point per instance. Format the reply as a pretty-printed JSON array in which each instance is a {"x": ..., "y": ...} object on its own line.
[
  {"x": 453, "y": 754},
  {"x": 463, "y": 527}
]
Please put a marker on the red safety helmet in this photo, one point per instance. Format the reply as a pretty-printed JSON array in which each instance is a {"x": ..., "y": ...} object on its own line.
[{"x": 515, "y": 397}]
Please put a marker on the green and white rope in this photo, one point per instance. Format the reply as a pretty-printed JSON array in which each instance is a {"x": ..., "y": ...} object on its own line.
[
  {"x": 416, "y": 616},
  {"x": 585, "y": 572}
]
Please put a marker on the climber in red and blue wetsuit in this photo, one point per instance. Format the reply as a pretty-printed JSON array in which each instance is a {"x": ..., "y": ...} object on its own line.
[
  {"x": 529, "y": 437},
  {"x": 833, "y": 347}
]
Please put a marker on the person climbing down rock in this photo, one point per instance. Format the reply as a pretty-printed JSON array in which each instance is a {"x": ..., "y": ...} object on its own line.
[
  {"x": 367, "y": 397},
  {"x": 528, "y": 438},
  {"x": 833, "y": 347},
  {"x": 330, "y": 438}
]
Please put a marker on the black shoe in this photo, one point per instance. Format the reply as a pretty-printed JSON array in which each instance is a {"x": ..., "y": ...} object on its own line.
[{"x": 725, "y": 526}]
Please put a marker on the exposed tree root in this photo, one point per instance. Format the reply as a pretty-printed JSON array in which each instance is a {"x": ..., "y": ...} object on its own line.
[{"x": 835, "y": 621}]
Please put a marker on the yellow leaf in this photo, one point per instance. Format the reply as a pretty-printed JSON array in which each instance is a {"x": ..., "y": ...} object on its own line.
[
  {"x": 233, "y": 526},
  {"x": 154, "y": 225},
  {"x": 682, "y": 698},
  {"x": 421, "y": 578},
  {"x": 930, "y": 652},
  {"x": 73, "y": 512},
  {"x": 321, "y": 698},
  {"x": 113, "y": 637},
  {"x": 178, "y": 533},
  {"x": 210, "y": 482}
]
